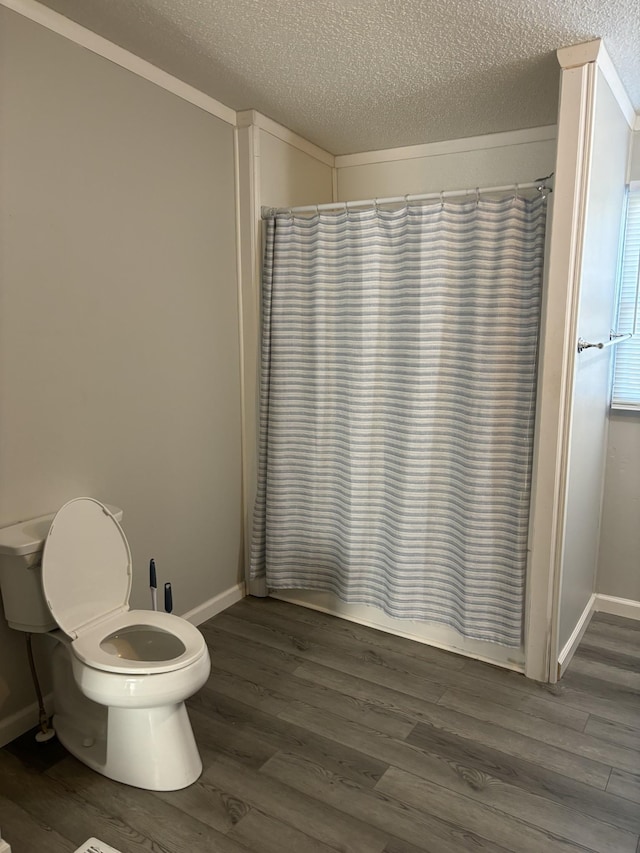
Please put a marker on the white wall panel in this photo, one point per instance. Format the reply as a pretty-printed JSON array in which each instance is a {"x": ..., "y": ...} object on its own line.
[
  {"x": 588, "y": 432},
  {"x": 485, "y": 165},
  {"x": 289, "y": 176}
]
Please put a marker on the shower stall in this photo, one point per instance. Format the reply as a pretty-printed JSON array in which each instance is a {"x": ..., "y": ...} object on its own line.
[{"x": 561, "y": 525}]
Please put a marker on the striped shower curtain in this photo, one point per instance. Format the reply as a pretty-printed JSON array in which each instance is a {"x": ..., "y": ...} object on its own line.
[{"x": 397, "y": 409}]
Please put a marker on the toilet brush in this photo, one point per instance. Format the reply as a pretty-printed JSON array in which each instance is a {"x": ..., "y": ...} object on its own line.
[
  {"x": 153, "y": 584},
  {"x": 168, "y": 598}
]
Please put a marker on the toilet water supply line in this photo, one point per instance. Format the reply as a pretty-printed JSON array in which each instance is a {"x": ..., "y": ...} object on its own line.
[
  {"x": 46, "y": 732},
  {"x": 153, "y": 586}
]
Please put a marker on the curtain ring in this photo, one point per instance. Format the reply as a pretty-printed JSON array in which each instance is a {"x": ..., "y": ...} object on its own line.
[
  {"x": 375, "y": 205},
  {"x": 516, "y": 195},
  {"x": 406, "y": 200},
  {"x": 290, "y": 214},
  {"x": 477, "y": 196},
  {"x": 317, "y": 210},
  {"x": 441, "y": 199}
]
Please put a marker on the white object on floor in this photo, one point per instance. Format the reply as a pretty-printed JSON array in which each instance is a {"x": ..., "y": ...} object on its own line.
[
  {"x": 94, "y": 845},
  {"x": 120, "y": 676},
  {"x": 5, "y": 847}
]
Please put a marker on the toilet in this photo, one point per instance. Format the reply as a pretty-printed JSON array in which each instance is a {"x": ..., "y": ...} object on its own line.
[{"x": 120, "y": 676}]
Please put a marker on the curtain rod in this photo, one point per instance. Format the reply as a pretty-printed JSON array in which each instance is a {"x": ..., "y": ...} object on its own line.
[
  {"x": 539, "y": 184},
  {"x": 614, "y": 338}
]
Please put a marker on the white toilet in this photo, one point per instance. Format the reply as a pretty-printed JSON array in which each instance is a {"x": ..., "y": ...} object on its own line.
[{"x": 120, "y": 676}]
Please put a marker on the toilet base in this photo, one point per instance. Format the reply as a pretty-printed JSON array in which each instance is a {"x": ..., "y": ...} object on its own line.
[{"x": 150, "y": 748}]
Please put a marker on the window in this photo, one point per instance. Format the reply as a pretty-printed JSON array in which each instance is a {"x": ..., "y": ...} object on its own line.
[{"x": 626, "y": 372}]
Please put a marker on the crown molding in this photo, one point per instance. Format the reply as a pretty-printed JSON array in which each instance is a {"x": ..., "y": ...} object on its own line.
[
  {"x": 595, "y": 51},
  {"x": 579, "y": 54},
  {"x": 245, "y": 118}
]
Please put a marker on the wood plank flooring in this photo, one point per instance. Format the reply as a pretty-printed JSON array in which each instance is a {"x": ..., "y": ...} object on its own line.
[{"x": 319, "y": 735}]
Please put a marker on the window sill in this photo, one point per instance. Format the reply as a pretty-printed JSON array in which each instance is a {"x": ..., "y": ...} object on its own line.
[{"x": 626, "y": 408}]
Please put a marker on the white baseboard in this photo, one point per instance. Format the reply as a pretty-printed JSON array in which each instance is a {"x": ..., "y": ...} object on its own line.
[
  {"x": 215, "y": 605},
  {"x": 21, "y": 721},
  {"x": 564, "y": 658},
  {"x": 626, "y": 607}
]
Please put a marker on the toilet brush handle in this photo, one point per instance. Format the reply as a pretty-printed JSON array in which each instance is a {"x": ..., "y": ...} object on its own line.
[
  {"x": 168, "y": 598},
  {"x": 153, "y": 584}
]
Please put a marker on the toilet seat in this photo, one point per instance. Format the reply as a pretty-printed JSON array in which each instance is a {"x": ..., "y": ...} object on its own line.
[
  {"x": 86, "y": 577},
  {"x": 87, "y": 647}
]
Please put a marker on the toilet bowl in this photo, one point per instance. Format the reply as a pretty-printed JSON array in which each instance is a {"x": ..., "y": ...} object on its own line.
[{"x": 120, "y": 676}]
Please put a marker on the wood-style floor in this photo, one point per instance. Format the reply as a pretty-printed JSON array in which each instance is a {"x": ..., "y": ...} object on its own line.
[{"x": 318, "y": 735}]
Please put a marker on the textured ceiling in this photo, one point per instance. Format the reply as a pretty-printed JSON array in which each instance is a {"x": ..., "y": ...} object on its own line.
[{"x": 355, "y": 75}]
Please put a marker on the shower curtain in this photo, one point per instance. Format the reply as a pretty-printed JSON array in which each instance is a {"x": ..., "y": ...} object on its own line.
[{"x": 397, "y": 409}]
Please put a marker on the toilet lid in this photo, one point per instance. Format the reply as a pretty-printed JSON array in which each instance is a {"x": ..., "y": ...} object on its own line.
[{"x": 86, "y": 565}]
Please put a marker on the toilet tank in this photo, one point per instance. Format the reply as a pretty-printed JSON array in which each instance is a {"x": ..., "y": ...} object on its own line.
[{"x": 21, "y": 546}]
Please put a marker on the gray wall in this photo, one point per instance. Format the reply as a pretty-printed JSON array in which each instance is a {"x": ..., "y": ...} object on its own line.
[
  {"x": 119, "y": 343},
  {"x": 587, "y": 450},
  {"x": 619, "y": 561}
]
